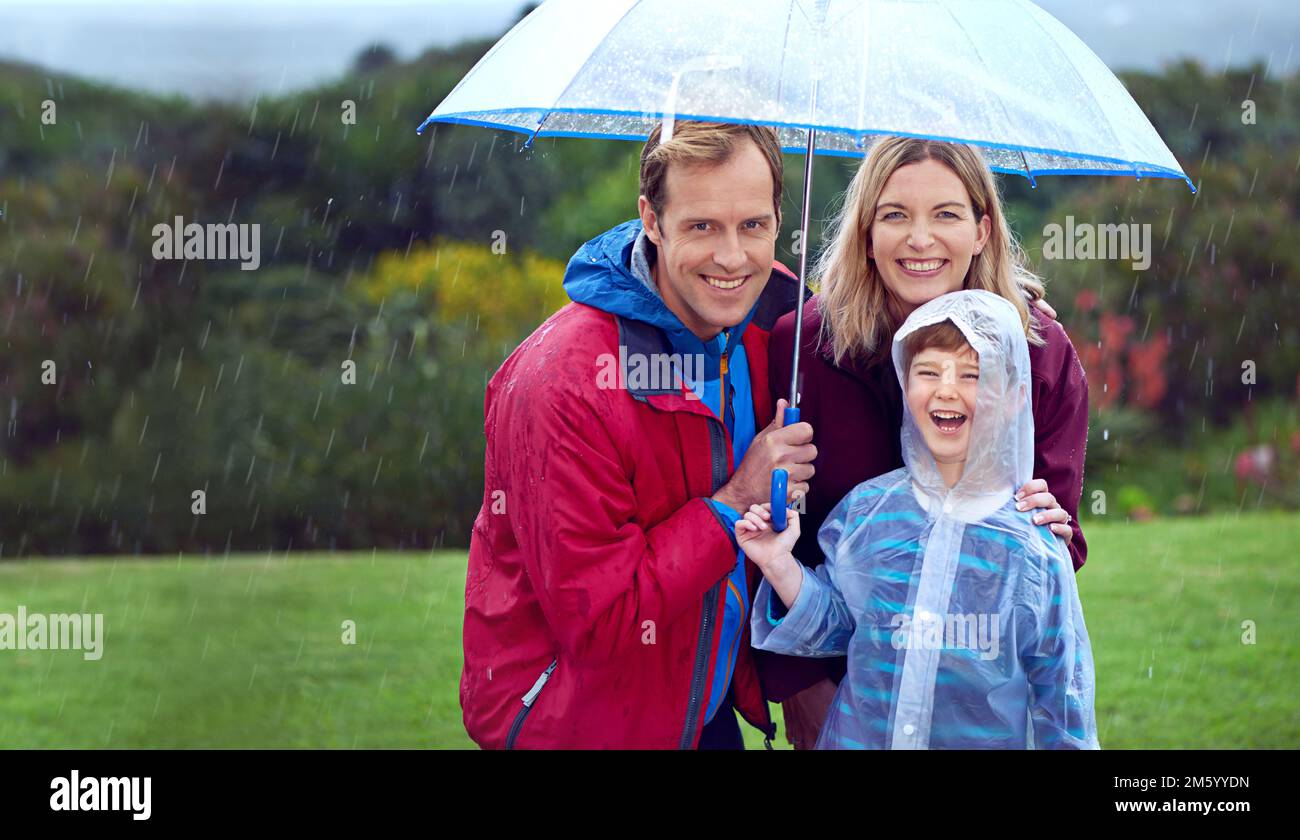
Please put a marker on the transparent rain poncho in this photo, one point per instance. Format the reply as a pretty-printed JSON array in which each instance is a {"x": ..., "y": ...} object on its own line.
[{"x": 960, "y": 617}]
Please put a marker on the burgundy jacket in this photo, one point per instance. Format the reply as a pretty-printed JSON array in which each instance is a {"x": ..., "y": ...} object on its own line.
[{"x": 856, "y": 412}]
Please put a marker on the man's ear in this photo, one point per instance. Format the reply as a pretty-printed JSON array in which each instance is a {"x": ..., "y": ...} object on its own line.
[{"x": 649, "y": 220}]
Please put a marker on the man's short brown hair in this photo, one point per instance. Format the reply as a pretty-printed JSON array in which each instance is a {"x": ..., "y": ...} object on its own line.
[
  {"x": 944, "y": 335},
  {"x": 694, "y": 143}
]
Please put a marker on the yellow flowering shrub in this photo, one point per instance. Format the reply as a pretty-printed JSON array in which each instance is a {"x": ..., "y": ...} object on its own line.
[{"x": 505, "y": 296}]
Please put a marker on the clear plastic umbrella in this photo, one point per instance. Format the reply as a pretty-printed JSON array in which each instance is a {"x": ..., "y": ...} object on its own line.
[{"x": 829, "y": 75}]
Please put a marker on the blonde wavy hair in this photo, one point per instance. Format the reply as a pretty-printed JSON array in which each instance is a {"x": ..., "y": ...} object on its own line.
[{"x": 859, "y": 314}]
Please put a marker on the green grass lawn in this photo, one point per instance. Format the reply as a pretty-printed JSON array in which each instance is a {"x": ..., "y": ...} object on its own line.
[{"x": 248, "y": 651}]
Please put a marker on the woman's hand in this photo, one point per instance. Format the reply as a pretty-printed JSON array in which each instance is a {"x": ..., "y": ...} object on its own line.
[
  {"x": 1035, "y": 495},
  {"x": 805, "y": 713}
]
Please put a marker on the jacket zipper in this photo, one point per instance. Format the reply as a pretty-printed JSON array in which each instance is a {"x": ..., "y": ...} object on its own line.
[
  {"x": 717, "y": 440},
  {"x": 722, "y": 383},
  {"x": 770, "y": 733},
  {"x": 701, "y": 665},
  {"x": 528, "y": 704}
]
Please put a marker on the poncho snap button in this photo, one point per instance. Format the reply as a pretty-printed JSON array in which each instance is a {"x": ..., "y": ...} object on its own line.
[{"x": 909, "y": 729}]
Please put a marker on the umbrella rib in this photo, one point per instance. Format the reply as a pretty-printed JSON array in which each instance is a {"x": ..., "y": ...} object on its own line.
[
  {"x": 1083, "y": 83},
  {"x": 799, "y": 5},
  {"x": 1006, "y": 117},
  {"x": 509, "y": 36},
  {"x": 843, "y": 16},
  {"x": 785, "y": 48},
  {"x": 1024, "y": 161},
  {"x": 586, "y": 62},
  {"x": 866, "y": 66}
]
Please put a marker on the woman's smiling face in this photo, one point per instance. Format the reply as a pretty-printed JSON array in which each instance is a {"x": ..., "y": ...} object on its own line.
[{"x": 924, "y": 233}]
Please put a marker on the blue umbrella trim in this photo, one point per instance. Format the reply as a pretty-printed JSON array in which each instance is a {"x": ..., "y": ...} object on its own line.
[{"x": 1139, "y": 169}]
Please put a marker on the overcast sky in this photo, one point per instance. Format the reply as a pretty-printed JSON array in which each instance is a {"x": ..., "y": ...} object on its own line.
[{"x": 237, "y": 50}]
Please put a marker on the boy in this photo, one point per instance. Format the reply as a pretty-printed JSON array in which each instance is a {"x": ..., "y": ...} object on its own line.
[{"x": 960, "y": 617}]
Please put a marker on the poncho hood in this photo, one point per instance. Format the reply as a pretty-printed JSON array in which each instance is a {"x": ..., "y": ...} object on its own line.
[{"x": 1000, "y": 457}]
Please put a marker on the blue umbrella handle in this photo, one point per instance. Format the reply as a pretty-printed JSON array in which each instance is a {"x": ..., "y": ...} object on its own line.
[{"x": 781, "y": 480}]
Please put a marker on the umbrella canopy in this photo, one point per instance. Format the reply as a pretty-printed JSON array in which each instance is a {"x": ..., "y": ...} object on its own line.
[
  {"x": 829, "y": 76},
  {"x": 999, "y": 74}
]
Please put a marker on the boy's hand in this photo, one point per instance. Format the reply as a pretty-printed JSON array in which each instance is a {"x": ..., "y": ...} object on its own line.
[{"x": 764, "y": 546}]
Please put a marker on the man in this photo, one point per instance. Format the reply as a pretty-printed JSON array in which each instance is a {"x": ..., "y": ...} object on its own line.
[{"x": 606, "y": 603}]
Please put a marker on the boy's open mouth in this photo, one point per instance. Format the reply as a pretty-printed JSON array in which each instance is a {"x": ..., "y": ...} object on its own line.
[{"x": 948, "y": 421}]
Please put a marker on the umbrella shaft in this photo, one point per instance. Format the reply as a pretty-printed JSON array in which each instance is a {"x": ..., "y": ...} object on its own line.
[{"x": 803, "y": 264}]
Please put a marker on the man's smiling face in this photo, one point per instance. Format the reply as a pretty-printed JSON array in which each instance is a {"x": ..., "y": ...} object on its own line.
[{"x": 716, "y": 239}]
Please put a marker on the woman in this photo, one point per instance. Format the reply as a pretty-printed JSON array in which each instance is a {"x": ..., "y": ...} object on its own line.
[{"x": 921, "y": 218}]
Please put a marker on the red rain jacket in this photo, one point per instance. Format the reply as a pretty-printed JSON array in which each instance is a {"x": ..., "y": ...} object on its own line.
[{"x": 596, "y": 569}]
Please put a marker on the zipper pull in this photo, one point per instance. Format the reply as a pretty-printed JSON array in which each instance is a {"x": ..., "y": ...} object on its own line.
[
  {"x": 722, "y": 380},
  {"x": 541, "y": 682}
]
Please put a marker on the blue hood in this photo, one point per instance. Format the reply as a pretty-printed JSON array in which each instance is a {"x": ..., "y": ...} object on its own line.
[{"x": 600, "y": 275}]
